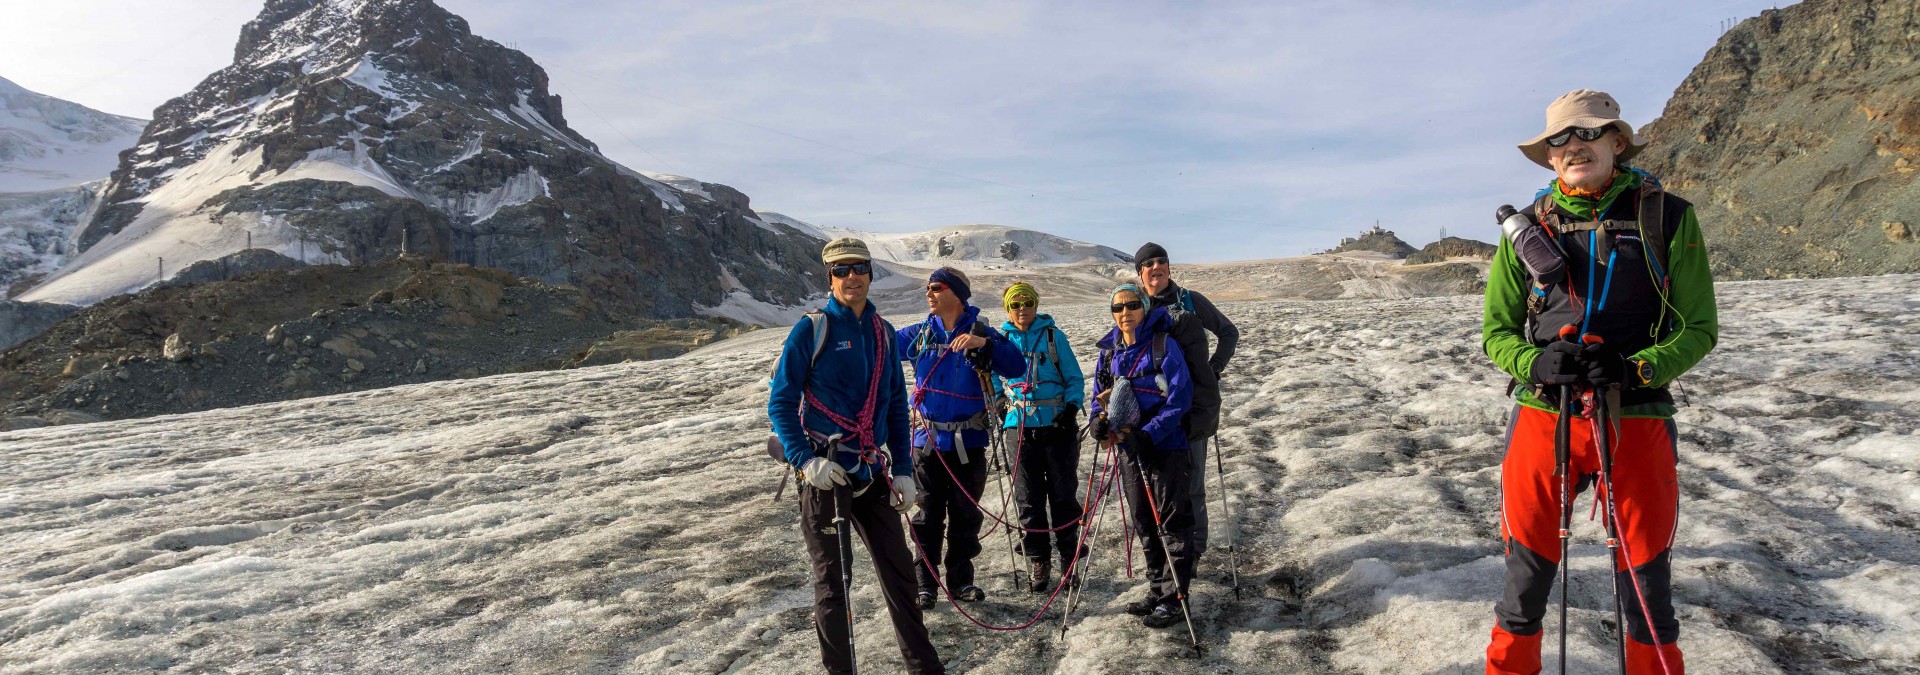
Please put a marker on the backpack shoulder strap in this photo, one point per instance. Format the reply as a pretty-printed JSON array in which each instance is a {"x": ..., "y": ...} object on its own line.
[
  {"x": 819, "y": 319},
  {"x": 1159, "y": 349},
  {"x": 1186, "y": 300},
  {"x": 1653, "y": 226},
  {"x": 1053, "y": 353}
]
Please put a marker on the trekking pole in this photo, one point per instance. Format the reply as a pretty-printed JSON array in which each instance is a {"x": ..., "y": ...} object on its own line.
[
  {"x": 1160, "y": 532},
  {"x": 1602, "y": 405},
  {"x": 1226, "y": 507},
  {"x": 1562, "y": 471},
  {"x": 1091, "y": 527},
  {"x": 843, "y": 543}
]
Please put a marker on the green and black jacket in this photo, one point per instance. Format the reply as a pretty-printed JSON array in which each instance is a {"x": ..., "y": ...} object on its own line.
[{"x": 1672, "y": 334}]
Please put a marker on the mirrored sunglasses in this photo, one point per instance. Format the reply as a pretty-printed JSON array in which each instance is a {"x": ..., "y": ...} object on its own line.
[
  {"x": 1019, "y": 305},
  {"x": 842, "y": 271},
  {"x": 1588, "y": 135}
]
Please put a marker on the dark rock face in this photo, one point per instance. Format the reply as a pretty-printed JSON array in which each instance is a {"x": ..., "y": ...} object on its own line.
[
  {"x": 20, "y": 321},
  {"x": 281, "y": 334},
  {"x": 1376, "y": 240},
  {"x": 471, "y": 156},
  {"x": 230, "y": 266},
  {"x": 1009, "y": 250},
  {"x": 1452, "y": 247},
  {"x": 1797, "y": 139}
]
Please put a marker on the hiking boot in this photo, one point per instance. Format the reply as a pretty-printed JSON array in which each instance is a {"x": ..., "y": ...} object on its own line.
[
  {"x": 924, "y": 599},
  {"x": 971, "y": 593},
  {"x": 1166, "y": 614},
  {"x": 1143, "y": 606},
  {"x": 1041, "y": 579}
]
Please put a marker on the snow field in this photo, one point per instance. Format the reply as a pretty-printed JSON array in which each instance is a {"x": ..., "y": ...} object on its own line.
[{"x": 617, "y": 519}]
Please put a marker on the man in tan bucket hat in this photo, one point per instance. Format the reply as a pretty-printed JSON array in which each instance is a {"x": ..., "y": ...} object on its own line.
[{"x": 1598, "y": 297}]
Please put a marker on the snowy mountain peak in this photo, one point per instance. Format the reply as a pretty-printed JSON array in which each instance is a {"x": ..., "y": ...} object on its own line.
[
  {"x": 969, "y": 245},
  {"x": 47, "y": 143},
  {"x": 348, "y": 129}
]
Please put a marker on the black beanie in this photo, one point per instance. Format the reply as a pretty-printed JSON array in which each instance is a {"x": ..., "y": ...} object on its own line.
[{"x": 1147, "y": 251}]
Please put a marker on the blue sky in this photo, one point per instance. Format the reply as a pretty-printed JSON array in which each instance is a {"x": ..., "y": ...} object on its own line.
[{"x": 1223, "y": 131}]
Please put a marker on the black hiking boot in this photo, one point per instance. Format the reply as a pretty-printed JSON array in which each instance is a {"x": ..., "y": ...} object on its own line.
[
  {"x": 1041, "y": 579},
  {"x": 1143, "y": 606},
  {"x": 924, "y": 599},
  {"x": 971, "y": 593},
  {"x": 1166, "y": 614}
]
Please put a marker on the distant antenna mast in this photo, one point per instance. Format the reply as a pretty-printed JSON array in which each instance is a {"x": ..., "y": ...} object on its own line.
[{"x": 162, "y": 275}]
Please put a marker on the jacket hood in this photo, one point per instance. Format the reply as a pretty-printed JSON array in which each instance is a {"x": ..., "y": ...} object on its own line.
[{"x": 1040, "y": 321}]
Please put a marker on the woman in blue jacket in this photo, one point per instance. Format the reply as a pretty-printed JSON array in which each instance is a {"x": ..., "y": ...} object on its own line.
[
  {"x": 1042, "y": 427},
  {"x": 1143, "y": 391}
]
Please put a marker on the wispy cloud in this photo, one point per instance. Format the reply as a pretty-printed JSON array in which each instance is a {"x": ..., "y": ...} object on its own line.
[{"x": 1229, "y": 130}]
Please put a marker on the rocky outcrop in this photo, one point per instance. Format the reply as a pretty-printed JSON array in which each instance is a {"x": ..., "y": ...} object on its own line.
[
  {"x": 1376, "y": 240},
  {"x": 281, "y": 334},
  {"x": 363, "y": 129},
  {"x": 1452, "y": 247},
  {"x": 230, "y": 266},
  {"x": 1797, "y": 140},
  {"x": 20, "y": 321}
]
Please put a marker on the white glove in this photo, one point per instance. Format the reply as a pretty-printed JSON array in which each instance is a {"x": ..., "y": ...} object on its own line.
[
  {"x": 823, "y": 473},
  {"x": 905, "y": 493}
]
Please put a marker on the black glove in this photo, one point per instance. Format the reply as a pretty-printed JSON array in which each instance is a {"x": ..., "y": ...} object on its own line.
[
  {"x": 1601, "y": 366},
  {"x": 1219, "y": 367},
  {"x": 1101, "y": 428},
  {"x": 1559, "y": 363},
  {"x": 981, "y": 358},
  {"x": 1141, "y": 444},
  {"x": 1068, "y": 419}
]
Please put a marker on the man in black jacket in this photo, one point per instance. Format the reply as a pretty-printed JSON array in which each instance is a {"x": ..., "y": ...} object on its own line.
[{"x": 1193, "y": 318}]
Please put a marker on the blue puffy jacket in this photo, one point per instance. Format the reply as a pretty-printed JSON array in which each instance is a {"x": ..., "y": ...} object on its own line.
[
  {"x": 946, "y": 384},
  {"x": 1050, "y": 380},
  {"x": 1162, "y": 410},
  {"x": 839, "y": 382}
]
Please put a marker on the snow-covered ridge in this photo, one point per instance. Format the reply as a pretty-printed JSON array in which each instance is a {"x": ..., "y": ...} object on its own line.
[
  {"x": 47, "y": 143},
  {"x": 618, "y": 518}
]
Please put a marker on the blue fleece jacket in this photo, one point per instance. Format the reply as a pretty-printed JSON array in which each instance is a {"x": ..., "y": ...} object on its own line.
[
  {"x": 1162, "y": 411},
  {"x": 839, "y": 381},
  {"x": 1049, "y": 379},
  {"x": 948, "y": 386}
]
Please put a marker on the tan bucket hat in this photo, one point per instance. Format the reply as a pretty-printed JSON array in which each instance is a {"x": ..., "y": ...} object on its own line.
[
  {"x": 1582, "y": 108},
  {"x": 844, "y": 248}
]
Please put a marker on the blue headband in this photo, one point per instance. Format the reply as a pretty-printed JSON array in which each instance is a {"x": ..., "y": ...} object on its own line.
[
  {"x": 953, "y": 281},
  {"x": 1146, "y": 301}
]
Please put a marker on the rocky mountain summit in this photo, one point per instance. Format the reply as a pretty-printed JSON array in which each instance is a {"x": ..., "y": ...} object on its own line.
[
  {"x": 348, "y": 131},
  {"x": 1376, "y": 240},
  {"x": 1797, "y": 139}
]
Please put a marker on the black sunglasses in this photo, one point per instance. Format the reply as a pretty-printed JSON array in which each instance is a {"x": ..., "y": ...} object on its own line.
[
  {"x": 842, "y": 271},
  {"x": 1585, "y": 134},
  {"x": 1150, "y": 262},
  {"x": 1129, "y": 305}
]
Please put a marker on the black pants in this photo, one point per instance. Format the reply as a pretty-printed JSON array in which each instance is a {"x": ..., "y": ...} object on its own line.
[
  {"x": 947, "y": 518},
  {"x": 1166, "y": 476},
  {"x": 1197, "y": 490},
  {"x": 1046, "y": 489},
  {"x": 878, "y": 524}
]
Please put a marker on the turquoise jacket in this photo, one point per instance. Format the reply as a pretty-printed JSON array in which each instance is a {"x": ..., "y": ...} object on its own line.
[{"x": 1053, "y": 377}]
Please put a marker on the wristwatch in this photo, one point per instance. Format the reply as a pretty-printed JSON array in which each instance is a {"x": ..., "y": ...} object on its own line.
[{"x": 1643, "y": 370}]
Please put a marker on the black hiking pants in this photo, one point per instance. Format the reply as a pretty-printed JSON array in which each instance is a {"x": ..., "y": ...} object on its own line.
[
  {"x": 878, "y": 524},
  {"x": 1046, "y": 489},
  {"x": 1166, "y": 476},
  {"x": 1197, "y": 490},
  {"x": 947, "y": 517}
]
